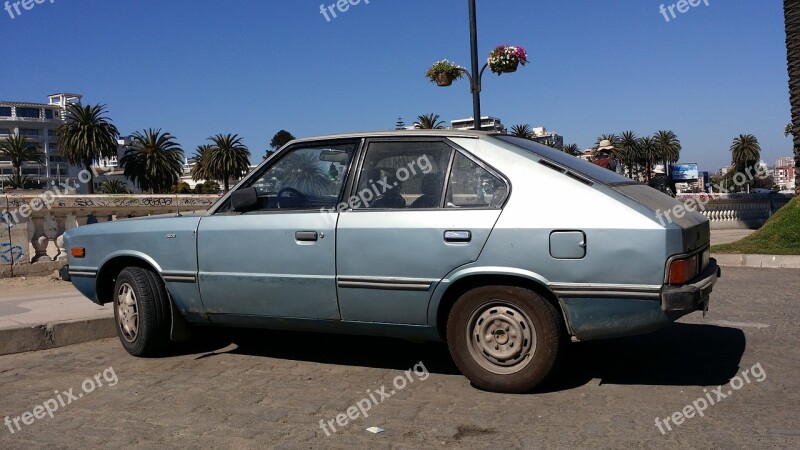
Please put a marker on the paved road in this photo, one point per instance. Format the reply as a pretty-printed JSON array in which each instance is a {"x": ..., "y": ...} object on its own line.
[{"x": 270, "y": 389}]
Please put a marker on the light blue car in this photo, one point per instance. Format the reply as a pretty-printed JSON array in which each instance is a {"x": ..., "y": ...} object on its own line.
[{"x": 502, "y": 247}]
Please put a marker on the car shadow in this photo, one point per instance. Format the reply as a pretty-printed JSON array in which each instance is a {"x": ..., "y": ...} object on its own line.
[{"x": 677, "y": 355}]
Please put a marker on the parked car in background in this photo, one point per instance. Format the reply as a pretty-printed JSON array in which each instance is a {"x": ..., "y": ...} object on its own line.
[{"x": 432, "y": 235}]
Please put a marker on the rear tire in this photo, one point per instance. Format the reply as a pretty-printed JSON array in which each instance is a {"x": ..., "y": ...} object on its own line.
[
  {"x": 504, "y": 338},
  {"x": 141, "y": 312}
]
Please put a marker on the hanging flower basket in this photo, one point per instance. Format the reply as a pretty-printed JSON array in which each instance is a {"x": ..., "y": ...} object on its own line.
[
  {"x": 443, "y": 79},
  {"x": 506, "y": 59},
  {"x": 443, "y": 72}
]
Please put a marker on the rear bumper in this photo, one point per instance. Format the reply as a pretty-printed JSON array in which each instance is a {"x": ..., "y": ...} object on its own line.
[{"x": 693, "y": 296}]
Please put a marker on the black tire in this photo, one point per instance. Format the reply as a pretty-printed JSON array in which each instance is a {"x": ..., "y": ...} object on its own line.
[
  {"x": 504, "y": 338},
  {"x": 141, "y": 312}
]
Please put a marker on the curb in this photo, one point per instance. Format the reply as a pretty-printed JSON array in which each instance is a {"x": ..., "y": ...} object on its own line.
[
  {"x": 52, "y": 335},
  {"x": 758, "y": 261}
]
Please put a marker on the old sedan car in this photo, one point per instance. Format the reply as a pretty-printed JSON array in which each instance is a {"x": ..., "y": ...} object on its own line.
[{"x": 502, "y": 247}]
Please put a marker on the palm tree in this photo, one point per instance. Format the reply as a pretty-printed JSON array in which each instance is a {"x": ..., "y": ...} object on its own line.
[
  {"x": 628, "y": 147},
  {"x": 18, "y": 150},
  {"x": 429, "y": 122},
  {"x": 791, "y": 15},
  {"x": 200, "y": 168},
  {"x": 303, "y": 172},
  {"x": 522, "y": 130},
  {"x": 154, "y": 161},
  {"x": 86, "y": 135},
  {"x": 228, "y": 158},
  {"x": 788, "y": 130},
  {"x": 745, "y": 152},
  {"x": 608, "y": 137},
  {"x": 571, "y": 149},
  {"x": 648, "y": 154},
  {"x": 113, "y": 186},
  {"x": 669, "y": 147}
]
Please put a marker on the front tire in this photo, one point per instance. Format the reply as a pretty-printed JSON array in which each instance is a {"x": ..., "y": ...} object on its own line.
[
  {"x": 504, "y": 338},
  {"x": 141, "y": 312}
]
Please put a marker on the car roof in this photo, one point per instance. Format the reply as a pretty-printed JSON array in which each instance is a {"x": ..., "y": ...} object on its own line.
[{"x": 401, "y": 133}]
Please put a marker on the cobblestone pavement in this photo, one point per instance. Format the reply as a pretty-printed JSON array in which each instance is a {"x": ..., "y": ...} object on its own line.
[{"x": 271, "y": 389}]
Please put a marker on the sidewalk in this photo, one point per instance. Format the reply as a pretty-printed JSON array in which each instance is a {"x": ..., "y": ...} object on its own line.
[{"x": 38, "y": 313}]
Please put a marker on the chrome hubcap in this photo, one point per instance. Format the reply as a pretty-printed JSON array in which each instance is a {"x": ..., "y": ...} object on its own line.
[
  {"x": 501, "y": 337},
  {"x": 127, "y": 312}
]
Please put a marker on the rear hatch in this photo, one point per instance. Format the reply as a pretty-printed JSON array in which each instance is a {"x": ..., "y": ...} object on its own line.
[{"x": 695, "y": 226}]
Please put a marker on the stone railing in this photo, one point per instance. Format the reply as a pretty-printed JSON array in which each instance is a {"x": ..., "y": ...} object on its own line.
[
  {"x": 32, "y": 226},
  {"x": 732, "y": 211}
]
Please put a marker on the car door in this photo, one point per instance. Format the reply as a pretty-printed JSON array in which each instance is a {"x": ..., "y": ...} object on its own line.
[
  {"x": 278, "y": 259},
  {"x": 422, "y": 209}
]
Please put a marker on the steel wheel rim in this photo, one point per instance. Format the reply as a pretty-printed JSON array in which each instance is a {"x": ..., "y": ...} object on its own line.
[
  {"x": 501, "y": 338},
  {"x": 127, "y": 312}
]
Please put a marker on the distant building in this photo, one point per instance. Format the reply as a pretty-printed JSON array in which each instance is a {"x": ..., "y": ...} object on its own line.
[
  {"x": 38, "y": 122},
  {"x": 784, "y": 161},
  {"x": 784, "y": 177},
  {"x": 587, "y": 154},
  {"x": 548, "y": 138},
  {"x": 488, "y": 123}
]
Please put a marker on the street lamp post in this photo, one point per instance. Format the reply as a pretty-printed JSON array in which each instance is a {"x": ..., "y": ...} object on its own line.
[
  {"x": 503, "y": 59},
  {"x": 475, "y": 78}
]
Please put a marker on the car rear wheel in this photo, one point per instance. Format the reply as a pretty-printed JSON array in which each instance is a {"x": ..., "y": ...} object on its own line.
[
  {"x": 504, "y": 338},
  {"x": 141, "y": 312}
]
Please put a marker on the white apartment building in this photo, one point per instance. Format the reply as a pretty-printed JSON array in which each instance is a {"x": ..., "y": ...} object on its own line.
[
  {"x": 38, "y": 123},
  {"x": 488, "y": 123}
]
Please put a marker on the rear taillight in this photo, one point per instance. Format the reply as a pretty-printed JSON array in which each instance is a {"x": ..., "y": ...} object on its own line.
[{"x": 683, "y": 270}]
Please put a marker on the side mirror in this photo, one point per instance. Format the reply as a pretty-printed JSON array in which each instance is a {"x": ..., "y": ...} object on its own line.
[{"x": 244, "y": 199}]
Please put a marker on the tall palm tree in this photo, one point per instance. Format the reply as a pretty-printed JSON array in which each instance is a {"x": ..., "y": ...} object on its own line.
[
  {"x": 86, "y": 135},
  {"x": 608, "y": 137},
  {"x": 648, "y": 154},
  {"x": 228, "y": 158},
  {"x": 154, "y": 161},
  {"x": 302, "y": 171},
  {"x": 571, "y": 149},
  {"x": 19, "y": 150},
  {"x": 669, "y": 147},
  {"x": 200, "y": 167},
  {"x": 429, "y": 122},
  {"x": 522, "y": 130},
  {"x": 745, "y": 152},
  {"x": 791, "y": 15},
  {"x": 628, "y": 147}
]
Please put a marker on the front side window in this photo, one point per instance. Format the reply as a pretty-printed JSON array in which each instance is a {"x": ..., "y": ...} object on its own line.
[
  {"x": 5, "y": 111},
  {"x": 402, "y": 175},
  {"x": 472, "y": 186},
  {"x": 305, "y": 178}
]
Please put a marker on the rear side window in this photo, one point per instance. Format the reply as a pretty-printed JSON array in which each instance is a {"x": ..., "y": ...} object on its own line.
[
  {"x": 403, "y": 175},
  {"x": 472, "y": 186}
]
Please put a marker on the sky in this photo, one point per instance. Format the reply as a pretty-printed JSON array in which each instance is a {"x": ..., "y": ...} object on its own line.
[{"x": 197, "y": 68}]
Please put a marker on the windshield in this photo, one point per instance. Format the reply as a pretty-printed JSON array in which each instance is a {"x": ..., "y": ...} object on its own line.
[{"x": 574, "y": 164}]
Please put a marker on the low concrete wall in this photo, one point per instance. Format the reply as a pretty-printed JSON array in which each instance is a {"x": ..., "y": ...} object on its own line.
[
  {"x": 736, "y": 211},
  {"x": 32, "y": 225}
]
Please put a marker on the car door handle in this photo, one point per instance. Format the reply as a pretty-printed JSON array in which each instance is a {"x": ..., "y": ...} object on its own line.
[
  {"x": 457, "y": 236},
  {"x": 305, "y": 236}
]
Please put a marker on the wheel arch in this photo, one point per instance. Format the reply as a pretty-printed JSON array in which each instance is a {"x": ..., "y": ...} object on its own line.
[
  {"x": 110, "y": 269},
  {"x": 458, "y": 287}
]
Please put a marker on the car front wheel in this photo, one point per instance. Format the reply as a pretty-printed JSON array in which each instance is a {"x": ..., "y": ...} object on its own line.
[
  {"x": 504, "y": 338},
  {"x": 141, "y": 311}
]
